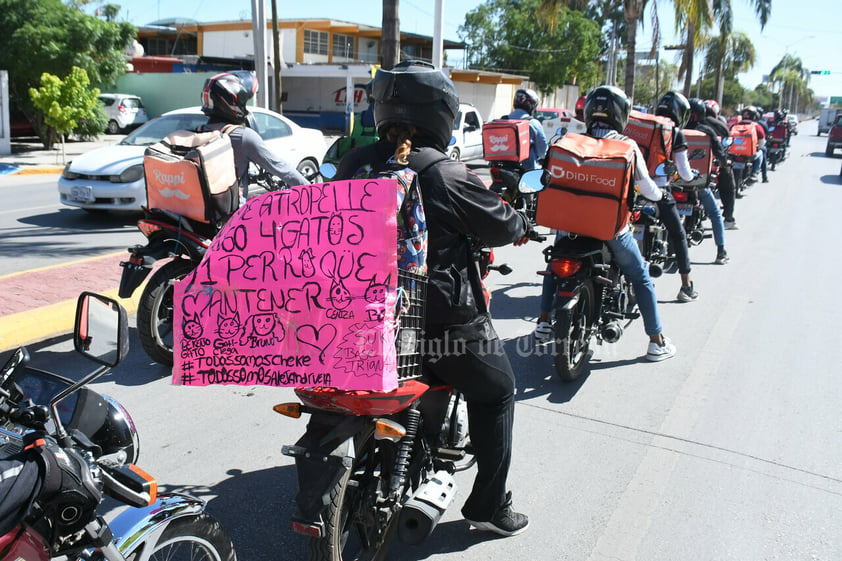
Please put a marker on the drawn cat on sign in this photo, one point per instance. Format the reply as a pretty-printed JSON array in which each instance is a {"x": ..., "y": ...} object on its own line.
[
  {"x": 192, "y": 327},
  {"x": 263, "y": 330}
]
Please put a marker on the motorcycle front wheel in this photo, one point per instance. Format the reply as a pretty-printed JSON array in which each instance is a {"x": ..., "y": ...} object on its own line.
[
  {"x": 572, "y": 331},
  {"x": 155, "y": 311},
  {"x": 194, "y": 538},
  {"x": 356, "y": 527}
]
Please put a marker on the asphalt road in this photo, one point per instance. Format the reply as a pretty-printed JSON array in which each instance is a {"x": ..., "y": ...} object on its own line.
[{"x": 729, "y": 451}]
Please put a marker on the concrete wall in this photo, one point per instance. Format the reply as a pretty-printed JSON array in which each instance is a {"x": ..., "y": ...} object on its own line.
[{"x": 164, "y": 92}]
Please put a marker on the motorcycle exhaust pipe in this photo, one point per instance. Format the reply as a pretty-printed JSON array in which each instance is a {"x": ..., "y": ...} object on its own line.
[
  {"x": 655, "y": 270},
  {"x": 423, "y": 510},
  {"x": 611, "y": 332},
  {"x": 696, "y": 237}
]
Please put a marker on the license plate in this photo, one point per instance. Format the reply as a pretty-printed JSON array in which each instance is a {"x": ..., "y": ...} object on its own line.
[
  {"x": 82, "y": 194},
  {"x": 685, "y": 210},
  {"x": 638, "y": 232},
  {"x": 738, "y": 165}
]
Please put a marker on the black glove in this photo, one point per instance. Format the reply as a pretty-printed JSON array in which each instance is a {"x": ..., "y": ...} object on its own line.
[{"x": 69, "y": 495}]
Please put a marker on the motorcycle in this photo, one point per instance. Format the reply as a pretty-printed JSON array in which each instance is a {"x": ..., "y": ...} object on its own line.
[
  {"x": 98, "y": 431},
  {"x": 505, "y": 178},
  {"x": 776, "y": 150},
  {"x": 743, "y": 168},
  {"x": 184, "y": 242},
  {"x": 593, "y": 299},
  {"x": 373, "y": 464},
  {"x": 651, "y": 236}
]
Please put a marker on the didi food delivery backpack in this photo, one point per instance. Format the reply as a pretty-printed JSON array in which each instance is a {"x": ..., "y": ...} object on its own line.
[{"x": 590, "y": 185}]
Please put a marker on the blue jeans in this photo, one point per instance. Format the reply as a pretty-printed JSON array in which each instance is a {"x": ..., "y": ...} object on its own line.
[
  {"x": 627, "y": 256},
  {"x": 718, "y": 227}
]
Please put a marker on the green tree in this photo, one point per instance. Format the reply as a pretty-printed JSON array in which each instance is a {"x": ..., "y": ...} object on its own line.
[
  {"x": 50, "y": 36},
  {"x": 505, "y": 37},
  {"x": 65, "y": 103}
]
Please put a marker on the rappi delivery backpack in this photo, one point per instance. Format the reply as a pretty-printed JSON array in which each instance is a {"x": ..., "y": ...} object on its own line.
[
  {"x": 505, "y": 140},
  {"x": 590, "y": 185},
  {"x": 654, "y": 135},
  {"x": 191, "y": 173},
  {"x": 744, "y": 140}
]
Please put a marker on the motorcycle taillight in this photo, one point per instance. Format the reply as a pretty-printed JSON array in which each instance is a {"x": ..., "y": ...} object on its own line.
[
  {"x": 680, "y": 196},
  {"x": 147, "y": 228},
  {"x": 564, "y": 267}
]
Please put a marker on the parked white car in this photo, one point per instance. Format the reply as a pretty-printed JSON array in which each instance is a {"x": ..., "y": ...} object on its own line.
[
  {"x": 111, "y": 178},
  {"x": 124, "y": 112}
]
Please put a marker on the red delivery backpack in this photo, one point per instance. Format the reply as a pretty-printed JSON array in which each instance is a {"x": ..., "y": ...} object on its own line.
[
  {"x": 591, "y": 180},
  {"x": 777, "y": 131},
  {"x": 744, "y": 136},
  {"x": 698, "y": 140},
  {"x": 505, "y": 140},
  {"x": 192, "y": 174},
  {"x": 653, "y": 134}
]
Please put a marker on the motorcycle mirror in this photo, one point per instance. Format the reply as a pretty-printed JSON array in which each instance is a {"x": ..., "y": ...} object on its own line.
[
  {"x": 531, "y": 181},
  {"x": 661, "y": 170},
  {"x": 452, "y": 141},
  {"x": 101, "y": 332},
  {"x": 327, "y": 170},
  {"x": 697, "y": 154}
]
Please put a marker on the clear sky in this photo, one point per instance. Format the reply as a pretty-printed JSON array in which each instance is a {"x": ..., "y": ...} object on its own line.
[{"x": 809, "y": 29}]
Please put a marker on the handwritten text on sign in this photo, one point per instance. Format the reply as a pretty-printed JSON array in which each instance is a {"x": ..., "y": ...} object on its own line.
[{"x": 297, "y": 289}]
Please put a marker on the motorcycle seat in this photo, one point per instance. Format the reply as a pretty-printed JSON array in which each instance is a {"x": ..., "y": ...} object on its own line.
[{"x": 578, "y": 246}]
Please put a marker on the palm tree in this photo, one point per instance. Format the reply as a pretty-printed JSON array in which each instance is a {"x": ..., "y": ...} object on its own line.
[
  {"x": 727, "y": 55},
  {"x": 632, "y": 13},
  {"x": 790, "y": 72},
  {"x": 694, "y": 18}
]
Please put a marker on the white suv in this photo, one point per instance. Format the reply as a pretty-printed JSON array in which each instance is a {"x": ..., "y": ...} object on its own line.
[{"x": 123, "y": 111}]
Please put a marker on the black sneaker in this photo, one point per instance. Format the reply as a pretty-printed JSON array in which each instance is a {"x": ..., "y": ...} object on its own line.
[
  {"x": 721, "y": 256},
  {"x": 505, "y": 521},
  {"x": 687, "y": 294}
]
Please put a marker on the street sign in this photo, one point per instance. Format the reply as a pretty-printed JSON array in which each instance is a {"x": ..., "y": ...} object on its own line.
[
  {"x": 822, "y": 72},
  {"x": 837, "y": 100}
]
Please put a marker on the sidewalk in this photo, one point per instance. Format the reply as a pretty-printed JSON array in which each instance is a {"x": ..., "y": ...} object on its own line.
[
  {"x": 29, "y": 156},
  {"x": 39, "y": 304}
]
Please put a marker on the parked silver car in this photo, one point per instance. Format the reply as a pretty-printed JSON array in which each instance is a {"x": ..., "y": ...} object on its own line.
[
  {"x": 124, "y": 112},
  {"x": 111, "y": 178}
]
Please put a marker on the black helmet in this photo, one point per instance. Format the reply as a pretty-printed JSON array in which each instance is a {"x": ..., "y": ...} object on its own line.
[
  {"x": 527, "y": 100},
  {"x": 780, "y": 115},
  {"x": 609, "y": 105},
  {"x": 415, "y": 93},
  {"x": 675, "y": 106},
  {"x": 226, "y": 95},
  {"x": 697, "y": 111}
]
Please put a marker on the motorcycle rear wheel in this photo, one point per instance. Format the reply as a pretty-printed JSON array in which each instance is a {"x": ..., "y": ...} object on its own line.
[
  {"x": 573, "y": 335},
  {"x": 155, "y": 311},
  {"x": 352, "y": 521},
  {"x": 194, "y": 538}
]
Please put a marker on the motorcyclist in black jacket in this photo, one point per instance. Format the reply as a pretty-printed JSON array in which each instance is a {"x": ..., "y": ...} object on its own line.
[
  {"x": 725, "y": 178},
  {"x": 415, "y": 108}
]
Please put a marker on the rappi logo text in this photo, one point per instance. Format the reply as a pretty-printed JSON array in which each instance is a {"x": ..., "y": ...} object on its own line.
[
  {"x": 169, "y": 178},
  {"x": 572, "y": 175}
]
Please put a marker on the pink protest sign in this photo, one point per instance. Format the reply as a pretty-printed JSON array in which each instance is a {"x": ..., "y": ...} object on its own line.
[{"x": 298, "y": 289}]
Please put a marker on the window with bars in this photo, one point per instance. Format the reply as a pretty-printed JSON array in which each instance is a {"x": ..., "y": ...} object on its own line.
[
  {"x": 343, "y": 45},
  {"x": 315, "y": 42}
]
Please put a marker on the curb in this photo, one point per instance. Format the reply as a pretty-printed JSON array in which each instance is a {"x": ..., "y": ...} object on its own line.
[
  {"x": 39, "y": 170},
  {"x": 48, "y": 322},
  {"x": 40, "y": 303}
]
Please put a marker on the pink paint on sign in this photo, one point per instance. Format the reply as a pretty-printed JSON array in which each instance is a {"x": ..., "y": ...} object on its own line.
[{"x": 298, "y": 289}]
